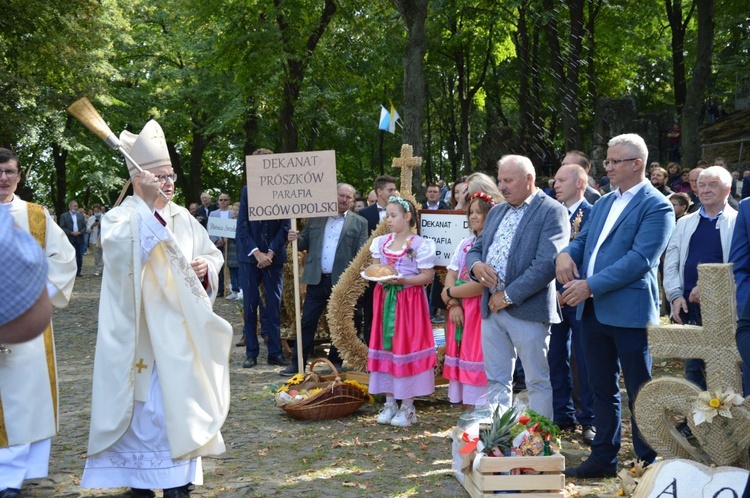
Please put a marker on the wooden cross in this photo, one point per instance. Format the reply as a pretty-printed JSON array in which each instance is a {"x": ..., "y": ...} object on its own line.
[
  {"x": 407, "y": 162},
  {"x": 713, "y": 342},
  {"x": 140, "y": 365}
]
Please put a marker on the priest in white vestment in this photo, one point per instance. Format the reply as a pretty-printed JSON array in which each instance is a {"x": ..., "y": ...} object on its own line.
[
  {"x": 28, "y": 373},
  {"x": 161, "y": 371}
]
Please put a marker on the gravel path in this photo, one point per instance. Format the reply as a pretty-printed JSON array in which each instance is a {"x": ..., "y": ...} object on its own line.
[{"x": 268, "y": 453}]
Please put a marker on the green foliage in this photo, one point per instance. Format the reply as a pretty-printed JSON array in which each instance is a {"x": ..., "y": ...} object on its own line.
[{"x": 213, "y": 74}]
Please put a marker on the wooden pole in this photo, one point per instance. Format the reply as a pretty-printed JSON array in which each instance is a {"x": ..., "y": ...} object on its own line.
[
  {"x": 226, "y": 268},
  {"x": 297, "y": 312}
]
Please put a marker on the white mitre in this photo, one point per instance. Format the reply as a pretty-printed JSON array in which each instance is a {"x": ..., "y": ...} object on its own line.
[{"x": 148, "y": 148}]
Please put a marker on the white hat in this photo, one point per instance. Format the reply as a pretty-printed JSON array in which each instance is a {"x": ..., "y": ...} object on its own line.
[{"x": 148, "y": 148}]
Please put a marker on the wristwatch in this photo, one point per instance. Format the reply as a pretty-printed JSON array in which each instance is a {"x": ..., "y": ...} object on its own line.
[
  {"x": 448, "y": 292},
  {"x": 506, "y": 299}
]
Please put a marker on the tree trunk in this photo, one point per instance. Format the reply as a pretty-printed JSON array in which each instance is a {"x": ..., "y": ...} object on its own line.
[
  {"x": 567, "y": 75},
  {"x": 60, "y": 181},
  {"x": 414, "y": 14},
  {"x": 294, "y": 69},
  {"x": 691, "y": 146},
  {"x": 521, "y": 42},
  {"x": 678, "y": 26},
  {"x": 59, "y": 157}
]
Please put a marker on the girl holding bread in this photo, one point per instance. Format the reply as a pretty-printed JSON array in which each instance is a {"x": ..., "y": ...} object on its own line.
[{"x": 402, "y": 356}]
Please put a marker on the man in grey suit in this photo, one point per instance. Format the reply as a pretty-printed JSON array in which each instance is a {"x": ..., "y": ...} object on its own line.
[
  {"x": 514, "y": 259},
  {"x": 331, "y": 244},
  {"x": 74, "y": 225}
]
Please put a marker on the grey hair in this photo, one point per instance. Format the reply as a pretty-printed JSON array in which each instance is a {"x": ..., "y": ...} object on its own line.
[
  {"x": 634, "y": 141},
  {"x": 339, "y": 185},
  {"x": 718, "y": 172},
  {"x": 522, "y": 163}
]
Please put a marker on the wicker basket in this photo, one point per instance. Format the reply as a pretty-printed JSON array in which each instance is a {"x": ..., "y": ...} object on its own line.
[{"x": 337, "y": 399}]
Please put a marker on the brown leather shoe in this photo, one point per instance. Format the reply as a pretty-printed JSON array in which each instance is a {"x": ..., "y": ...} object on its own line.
[{"x": 242, "y": 343}]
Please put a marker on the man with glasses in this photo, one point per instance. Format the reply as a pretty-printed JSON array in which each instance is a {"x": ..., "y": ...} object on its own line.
[
  {"x": 28, "y": 373},
  {"x": 609, "y": 273},
  {"x": 161, "y": 370},
  {"x": 224, "y": 212}
]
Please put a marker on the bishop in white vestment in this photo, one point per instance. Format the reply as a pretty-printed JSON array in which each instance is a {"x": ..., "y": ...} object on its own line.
[
  {"x": 28, "y": 374},
  {"x": 161, "y": 377}
]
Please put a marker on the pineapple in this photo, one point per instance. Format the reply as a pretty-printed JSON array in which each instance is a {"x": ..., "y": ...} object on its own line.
[{"x": 498, "y": 434}]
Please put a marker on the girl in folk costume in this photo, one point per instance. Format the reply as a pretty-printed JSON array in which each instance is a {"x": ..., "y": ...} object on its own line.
[
  {"x": 402, "y": 347},
  {"x": 464, "y": 361}
]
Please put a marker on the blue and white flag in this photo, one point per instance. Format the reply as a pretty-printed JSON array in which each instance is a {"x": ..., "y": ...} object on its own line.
[
  {"x": 388, "y": 119},
  {"x": 385, "y": 119}
]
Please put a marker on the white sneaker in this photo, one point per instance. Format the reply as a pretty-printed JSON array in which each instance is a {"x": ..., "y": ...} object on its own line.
[
  {"x": 233, "y": 296},
  {"x": 387, "y": 413},
  {"x": 405, "y": 417}
]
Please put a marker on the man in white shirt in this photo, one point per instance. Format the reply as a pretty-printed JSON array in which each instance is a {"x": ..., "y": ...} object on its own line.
[
  {"x": 571, "y": 181},
  {"x": 224, "y": 212},
  {"x": 609, "y": 273},
  {"x": 331, "y": 244}
]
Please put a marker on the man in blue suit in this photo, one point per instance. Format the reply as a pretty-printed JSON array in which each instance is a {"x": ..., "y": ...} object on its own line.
[
  {"x": 514, "y": 260},
  {"x": 617, "y": 295},
  {"x": 261, "y": 253},
  {"x": 739, "y": 254},
  {"x": 570, "y": 185}
]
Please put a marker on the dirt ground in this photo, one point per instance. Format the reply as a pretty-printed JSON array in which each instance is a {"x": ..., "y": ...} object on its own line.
[{"x": 269, "y": 453}]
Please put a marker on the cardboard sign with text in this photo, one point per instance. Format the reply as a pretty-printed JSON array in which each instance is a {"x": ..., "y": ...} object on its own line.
[
  {"x": 292, "y": 185},
  {"x": 447, "y": 228},
  {"x": 221, "y": 227}
]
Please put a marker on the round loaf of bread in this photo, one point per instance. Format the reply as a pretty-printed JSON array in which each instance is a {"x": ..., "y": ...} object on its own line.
[{"x": 379, "y": 271}]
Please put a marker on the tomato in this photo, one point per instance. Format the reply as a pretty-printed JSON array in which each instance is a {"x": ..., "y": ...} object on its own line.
[{"x": 524, "y": 419}]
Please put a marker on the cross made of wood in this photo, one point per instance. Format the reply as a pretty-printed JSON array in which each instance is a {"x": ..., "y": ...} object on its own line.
[
  {"x": 407, "y": 162},
  {"x": 714, "y": 341}
]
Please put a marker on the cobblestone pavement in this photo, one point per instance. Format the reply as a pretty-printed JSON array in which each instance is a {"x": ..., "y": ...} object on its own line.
[{"x": 268, "y": 453}]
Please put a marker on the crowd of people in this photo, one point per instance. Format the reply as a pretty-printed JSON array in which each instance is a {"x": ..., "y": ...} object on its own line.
[{"x": 563, "y": 285}]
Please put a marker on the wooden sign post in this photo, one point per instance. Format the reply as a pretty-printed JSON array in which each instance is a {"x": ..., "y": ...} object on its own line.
[{"x": 290, "y": 186}]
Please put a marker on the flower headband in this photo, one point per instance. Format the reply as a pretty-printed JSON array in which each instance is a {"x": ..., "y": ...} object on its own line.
[
  {"x": 401, "y": 201},
  {"x": 486, "y": 198}
]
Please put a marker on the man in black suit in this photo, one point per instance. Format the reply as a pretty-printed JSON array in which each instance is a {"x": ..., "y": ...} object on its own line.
[
  {"x": 331, "y": 243},
  {"x": 385, "y": 186},
  {"x": 204, "y": 210},
  {"x": 74, "y": 225},
  {"x": 261, "y": 253},
  {"x": 433, "y": 198}
]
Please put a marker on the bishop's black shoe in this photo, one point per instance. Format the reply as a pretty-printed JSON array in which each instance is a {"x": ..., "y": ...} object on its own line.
[
  {"x": 11, "y": 493},
  {"x": 141, "y": 493},
  {"x": 181, "y": 492}
]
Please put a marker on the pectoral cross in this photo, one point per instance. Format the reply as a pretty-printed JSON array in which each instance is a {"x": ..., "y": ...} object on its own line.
[
  {"x": 140, "y": 365},
  {"x": 407, "y": 162}
]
